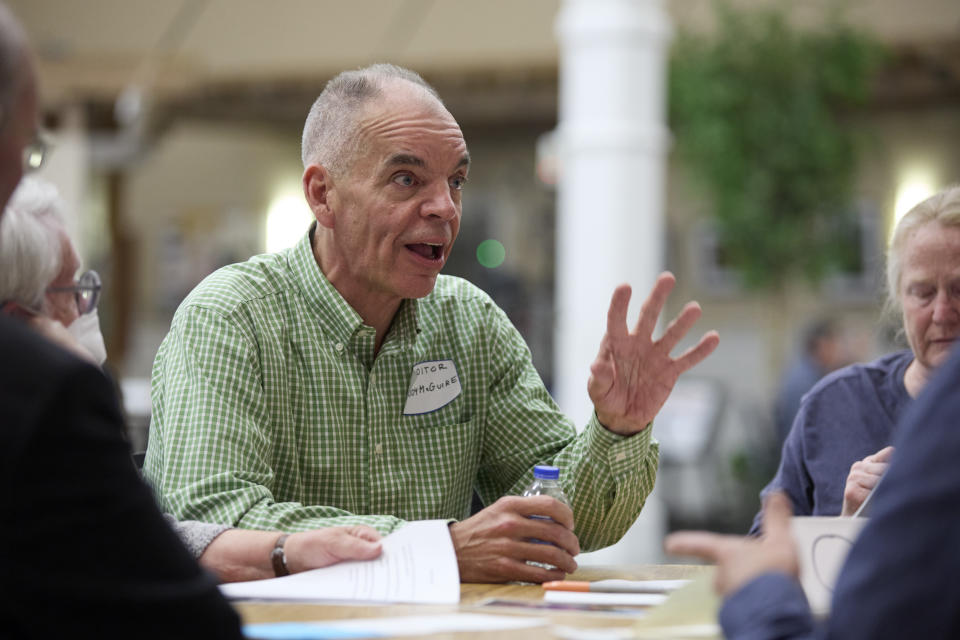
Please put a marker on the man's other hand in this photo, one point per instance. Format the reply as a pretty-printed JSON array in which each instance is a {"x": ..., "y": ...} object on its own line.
[
  {"x": 323, "y": 547},
  {"x": 494, "y": 545},
  {"x": 633, "y": 373},
  {"x": 741, "y": 559}
]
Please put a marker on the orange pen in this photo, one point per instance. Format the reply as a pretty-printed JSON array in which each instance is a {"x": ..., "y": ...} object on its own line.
[{"x": 616, "y": 586}]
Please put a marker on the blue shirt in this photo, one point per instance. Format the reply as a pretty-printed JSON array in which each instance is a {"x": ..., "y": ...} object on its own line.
[{"x": 848, "y": 415}]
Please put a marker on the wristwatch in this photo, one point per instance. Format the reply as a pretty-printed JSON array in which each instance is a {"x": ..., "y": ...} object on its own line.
[{"x": 278, "y": 558}]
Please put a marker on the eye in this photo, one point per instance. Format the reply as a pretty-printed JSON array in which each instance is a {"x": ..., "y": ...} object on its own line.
[
  {"x": 921, "y": 291},
  {"x": 404, "y": 180},
  {"x": 457, "y": 182}
]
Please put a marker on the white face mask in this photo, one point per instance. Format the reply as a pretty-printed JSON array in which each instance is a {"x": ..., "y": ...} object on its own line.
[{"x": 86, "y": 331}]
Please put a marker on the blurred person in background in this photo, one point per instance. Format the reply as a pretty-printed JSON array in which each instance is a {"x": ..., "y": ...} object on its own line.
[
  {"x": 38, "y": 263},
  {"x": 839, "y": 445},
  {"x": 821, "y": 352}
]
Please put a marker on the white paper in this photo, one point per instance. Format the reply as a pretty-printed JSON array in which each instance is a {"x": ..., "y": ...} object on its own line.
[
  {"x": 418, "y": 565},
  {"x": 822, "y": 546},
  {"x": 636, "y": 586},
  {"x": 595, "y": 597}
]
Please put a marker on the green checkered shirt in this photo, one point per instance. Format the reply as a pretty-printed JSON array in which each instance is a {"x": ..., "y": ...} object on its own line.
[{"x": 271, "y": 411}]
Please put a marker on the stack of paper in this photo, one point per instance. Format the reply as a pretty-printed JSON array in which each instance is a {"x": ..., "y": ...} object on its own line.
[{"x": 418, "y": 565}]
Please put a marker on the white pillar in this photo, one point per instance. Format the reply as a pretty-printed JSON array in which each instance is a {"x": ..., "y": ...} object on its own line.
[{"x": 613, "y": 142}]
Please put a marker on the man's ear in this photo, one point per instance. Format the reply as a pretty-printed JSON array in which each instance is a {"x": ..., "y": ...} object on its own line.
[{"x": 317, "y": 185}]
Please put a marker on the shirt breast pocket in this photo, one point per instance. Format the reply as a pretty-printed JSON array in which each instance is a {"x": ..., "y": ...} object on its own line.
[{"x": 445, "y": 458}]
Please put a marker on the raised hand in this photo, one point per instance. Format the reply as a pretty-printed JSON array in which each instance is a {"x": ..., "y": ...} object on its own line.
[
  {"x": 494, "y": 544},
  {"x": 633, "y": 373},
  {"x": 864, "y": 476},
  {"x": 740, "y": 559}
]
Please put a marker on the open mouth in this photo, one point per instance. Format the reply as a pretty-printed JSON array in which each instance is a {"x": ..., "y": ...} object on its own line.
[{"x": 427, "y": 250}]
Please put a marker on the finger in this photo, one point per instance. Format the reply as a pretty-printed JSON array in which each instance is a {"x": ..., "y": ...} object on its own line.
[
  {"x": 653, "y": 305},
  {"x": 679, "y": 326},
  {"x": 864, "y": 480},
  {"x": 777, "y": 511},
  {"x": 701, "y": 544},
  {"x": 617, "y": 313},
  {"x": 511, "y": 569},
  {"x": 883, "y": 455},
  {"x": 364, "y": 532},
  {"x": 542, "y": 506},
  {"x": 874, "y": 468},
  {"x": 547, "y": 554},
  {"x": 695, "y": 354},
  {"x": 551, "y": 532},
  {"x": 348, "y": 546}
]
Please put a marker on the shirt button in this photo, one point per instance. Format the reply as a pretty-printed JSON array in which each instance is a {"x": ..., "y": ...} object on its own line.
[
  {"x": 378, "y": 449},
  {"x": 373, "y": 378},
  {"x": 338, "y": 347}
]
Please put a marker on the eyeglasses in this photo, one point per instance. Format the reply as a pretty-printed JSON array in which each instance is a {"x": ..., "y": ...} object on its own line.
[
  {"x": 86, "y": 291},
  {"x": 36, "y": 151}
]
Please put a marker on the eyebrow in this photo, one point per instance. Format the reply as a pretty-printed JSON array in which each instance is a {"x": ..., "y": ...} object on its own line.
[{"x": 407, "y": 159}]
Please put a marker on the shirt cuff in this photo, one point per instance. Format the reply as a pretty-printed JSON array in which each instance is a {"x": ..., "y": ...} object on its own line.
[
  {"x": 769, "y": 606},
  {"x": 621, "y": 453}
]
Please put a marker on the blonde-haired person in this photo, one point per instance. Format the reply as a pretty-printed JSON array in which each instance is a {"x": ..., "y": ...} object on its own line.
[{"x": 839, "y": 444}]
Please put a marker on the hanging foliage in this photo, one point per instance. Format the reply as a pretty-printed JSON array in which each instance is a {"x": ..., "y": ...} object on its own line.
[{"x": 755, "y": 112}]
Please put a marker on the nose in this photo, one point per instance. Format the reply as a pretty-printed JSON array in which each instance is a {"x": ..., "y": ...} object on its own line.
[
  {"x": 441, "y": 202},
  {"x": 946, "y": 308}
]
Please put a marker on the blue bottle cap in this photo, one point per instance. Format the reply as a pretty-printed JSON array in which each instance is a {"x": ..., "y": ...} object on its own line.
[{"x": 546, "y": 472}]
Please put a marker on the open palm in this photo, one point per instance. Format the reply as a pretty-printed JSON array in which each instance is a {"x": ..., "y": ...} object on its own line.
[{"x": 634, "y": 374}]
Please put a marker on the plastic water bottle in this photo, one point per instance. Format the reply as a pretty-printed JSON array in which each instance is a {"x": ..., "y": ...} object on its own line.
[{"x": 546, "y": 482}]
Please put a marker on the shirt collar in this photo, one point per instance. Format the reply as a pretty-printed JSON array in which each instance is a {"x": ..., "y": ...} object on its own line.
[{"x": 338, "y": 319}]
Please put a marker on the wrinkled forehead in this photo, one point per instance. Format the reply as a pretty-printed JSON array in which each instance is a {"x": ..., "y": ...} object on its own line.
[{"x": 406, "y": 114}]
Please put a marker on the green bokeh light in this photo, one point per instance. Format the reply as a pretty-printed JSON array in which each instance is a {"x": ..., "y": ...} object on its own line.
[{"x": 491, "y": 253}]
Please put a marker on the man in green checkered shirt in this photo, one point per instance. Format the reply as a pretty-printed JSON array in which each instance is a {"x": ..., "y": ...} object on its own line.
[{"x": 344, "y": 381}]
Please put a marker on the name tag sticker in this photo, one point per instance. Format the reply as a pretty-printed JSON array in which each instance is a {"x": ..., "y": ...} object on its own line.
[{"x": 433, "y": 384}]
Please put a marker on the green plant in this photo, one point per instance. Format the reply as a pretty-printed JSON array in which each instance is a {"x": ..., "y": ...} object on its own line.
[{"x": 756, "y": 115}]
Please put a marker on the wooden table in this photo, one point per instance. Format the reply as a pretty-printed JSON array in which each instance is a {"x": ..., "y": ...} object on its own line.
[{"x": 470, "y": 595}]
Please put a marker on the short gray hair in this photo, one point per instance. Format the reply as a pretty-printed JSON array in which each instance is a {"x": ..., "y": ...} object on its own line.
[
  {"x": 943, "y": 208},
  {"x": 13, "y": 48},
  {"x": 329, "y": 133},
  {"x": 31, "y": 249}
]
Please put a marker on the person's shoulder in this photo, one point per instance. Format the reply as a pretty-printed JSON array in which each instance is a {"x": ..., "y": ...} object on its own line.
[
  {"x": 234, "y": 285},
  {"x": 860, "y": 372},
  {"x": 34, "y": 375},
  {"x": 25, "y": 354}
]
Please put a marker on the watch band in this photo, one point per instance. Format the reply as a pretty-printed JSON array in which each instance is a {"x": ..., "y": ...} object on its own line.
[{"x": 278, "y": 558}]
